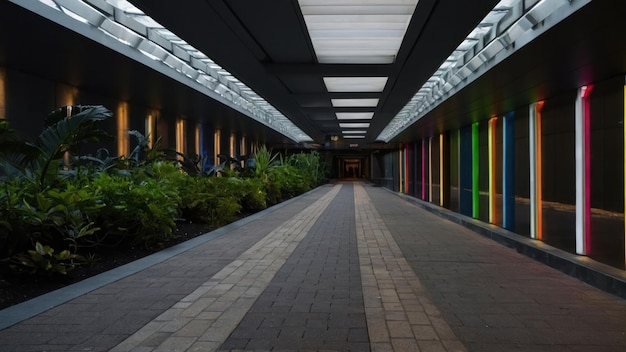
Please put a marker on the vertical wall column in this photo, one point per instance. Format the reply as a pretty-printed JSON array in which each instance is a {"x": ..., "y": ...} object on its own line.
[
  {"x": 536, "y": 207},
  {"x": 583, "y": 170},
  {"x": 508, "y": 171}
]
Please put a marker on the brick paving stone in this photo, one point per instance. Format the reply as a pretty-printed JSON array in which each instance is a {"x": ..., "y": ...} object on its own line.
[
  {"x": 119, "y": 309},
  {"x": 492, "y": 298}
]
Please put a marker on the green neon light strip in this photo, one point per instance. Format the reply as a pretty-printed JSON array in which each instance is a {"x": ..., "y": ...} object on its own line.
[{"x": 475, "y": 171}]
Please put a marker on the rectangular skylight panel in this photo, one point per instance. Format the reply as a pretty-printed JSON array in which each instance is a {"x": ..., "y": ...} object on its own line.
[
  {"x": 354, "y": 115},
  {"x": 355, "y": 84},
  {"x": 353, "y": 103},
  {"x": 354, "y": 125}
]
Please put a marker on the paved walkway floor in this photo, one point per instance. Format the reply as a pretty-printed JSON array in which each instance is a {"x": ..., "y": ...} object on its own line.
[{"x": 346, "y": 267}]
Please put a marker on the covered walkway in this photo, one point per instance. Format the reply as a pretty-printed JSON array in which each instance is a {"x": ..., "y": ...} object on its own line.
[{"x": 346, "y": 267}]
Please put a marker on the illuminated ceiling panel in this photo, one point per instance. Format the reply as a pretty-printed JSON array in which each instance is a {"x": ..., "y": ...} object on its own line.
[
  {"x": 353, "y": 103},
  {"x": 357, "y": 31},
  {"x": 355, "y": 84},
  {"x": 354, "y": 115}
]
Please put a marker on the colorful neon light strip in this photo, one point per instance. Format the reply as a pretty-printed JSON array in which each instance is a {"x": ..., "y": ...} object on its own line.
[
  {"x": 441, "y": 184},
  {"x": 423, "y": 169},
  {"x": 536, "y": 206},
  {"x": 475, "y": 172},
  {"x": 406, "y": 168},
  {"x": 430, "y": 169},
  {"x": 582, "y": 149},
  {"x": 492, "y": 169}
]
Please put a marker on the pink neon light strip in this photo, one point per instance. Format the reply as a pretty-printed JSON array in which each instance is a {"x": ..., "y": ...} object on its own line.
[
  {"x": 423, "y": 169},
  {"x": 587, "y": 158}
]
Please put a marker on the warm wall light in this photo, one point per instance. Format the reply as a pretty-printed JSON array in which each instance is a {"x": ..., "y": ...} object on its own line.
[
  {"x": 123, "y": 145},
  {"x": 199, "y": 139},
  {"x": 3, "y": 110},
  {"x": 232, "y": 146},
  {"x": 180, "y": 136},
  {"x": 216, "y": 147},
  {"x": 150, "y": 128}
]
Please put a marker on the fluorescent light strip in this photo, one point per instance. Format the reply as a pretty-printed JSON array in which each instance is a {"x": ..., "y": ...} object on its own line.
[
  {"x": 354, "y": 115},
  {"x": 358, "y": 31},
  {"x": 354, "y": 132},
  {"x": 355, "y": 84},
  {"x": 354, "y": 103},
  {"x": 354, "y": 137},
  {"x": 354, "y": 125}
]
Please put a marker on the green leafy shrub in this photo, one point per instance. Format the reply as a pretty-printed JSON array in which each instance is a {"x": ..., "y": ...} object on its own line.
[
  {"x": 44, "y": 259},
  {"x": 140, "y": 211}
]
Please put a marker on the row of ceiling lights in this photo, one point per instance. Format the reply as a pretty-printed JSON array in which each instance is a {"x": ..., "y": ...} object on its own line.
[{"x": 356, "y": 32}]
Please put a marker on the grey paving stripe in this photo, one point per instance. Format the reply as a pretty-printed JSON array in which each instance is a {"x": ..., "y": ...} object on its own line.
[
  {"x": 205, "y": 318},
  {"x": 400, "y": 314},
  {"x": 315, "y": 301}
]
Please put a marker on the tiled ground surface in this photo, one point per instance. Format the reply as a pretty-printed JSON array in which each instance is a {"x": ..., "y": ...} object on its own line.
[{"x": 359, "y": 269}]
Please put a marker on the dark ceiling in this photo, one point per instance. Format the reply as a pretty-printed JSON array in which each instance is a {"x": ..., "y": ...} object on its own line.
[{"x": 265, "y": 45}]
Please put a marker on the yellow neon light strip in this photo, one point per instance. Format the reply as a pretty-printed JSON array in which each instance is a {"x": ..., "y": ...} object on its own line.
[{"x": 539, "y": 171}]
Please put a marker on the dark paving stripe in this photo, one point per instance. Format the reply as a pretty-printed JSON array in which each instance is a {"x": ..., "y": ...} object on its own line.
[{"x": 315, "y": 301}]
